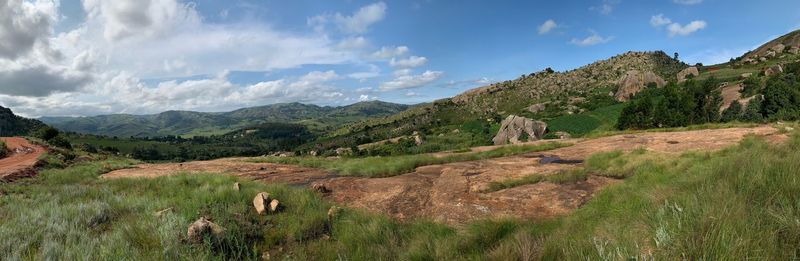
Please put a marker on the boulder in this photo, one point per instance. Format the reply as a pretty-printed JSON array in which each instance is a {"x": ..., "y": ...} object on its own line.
[
  {"x": 319, "y": 187},
  {"x": 746, "y": 75},
  {"x": 563, "y": 135},
  {"x": 236, "y": 186},
  {"x": 682, "y": 75},
  {"x": 344, "y": 151},
  {"x": 261, "y": 202},
  {"x": 274, "y": 206},
  {"x": 773, "y": 70},
  {"x": 202, "y": 227},
  {"x": 794, "y": 50},
  {"x": 762, "y": 59},
  {"x": 512, "y": 128},
  {"x": 537, "y": 107},
  {"x": 417, "y": 140},
  {"x": 634, "y": 81},
  {"x": 778, "y": 48}
]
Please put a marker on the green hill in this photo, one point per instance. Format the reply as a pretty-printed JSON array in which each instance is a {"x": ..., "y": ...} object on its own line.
[
  {"x": 189, "y": 123},
  {"x": 13, "y": 125}
]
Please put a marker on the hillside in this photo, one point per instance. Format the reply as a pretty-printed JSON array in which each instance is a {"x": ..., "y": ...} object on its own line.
[
  {"x": 789, "y": 42},
  {"x": 190, "y": 123},
  {"x": 13, "y": 125},
  {"x": 542, "y": 95}
]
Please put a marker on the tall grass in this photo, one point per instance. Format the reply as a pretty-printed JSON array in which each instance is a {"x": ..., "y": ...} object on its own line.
[{"x": 395, "y": 165}]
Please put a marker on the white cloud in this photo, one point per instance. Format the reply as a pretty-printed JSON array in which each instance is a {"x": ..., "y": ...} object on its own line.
[
  {"x": 372, "y": 72},
  {"x": 659, "y": 20},
  {"x": 593, "y": 39},
  {"x": 687, "y": 2},
  {"x": 547, "y": 26},
  {"x": 410, "y": 62},
  {"x": 606, "y": 7},
  {"x": 401, "y": 72},
  {"x": 357, "y": 23},
  {"x": 411, "y": 81},
  {"x": 387, "y": 52},
  {"x": 676, "y": 28}
]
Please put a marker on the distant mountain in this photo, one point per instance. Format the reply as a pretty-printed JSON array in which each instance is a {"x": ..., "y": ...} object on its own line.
[
  {"x": 190, "y": 123},
  {"x": 13, "y": 125}
]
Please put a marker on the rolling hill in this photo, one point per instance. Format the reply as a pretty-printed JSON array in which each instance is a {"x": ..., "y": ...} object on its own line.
[
  {"x": 189, "y": 123},
  {"x": 13, "y": 125}
]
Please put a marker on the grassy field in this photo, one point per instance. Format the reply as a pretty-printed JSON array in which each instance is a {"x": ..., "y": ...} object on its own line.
[
  {"x": 395, "y": 165},
  {"x": 737, "y": 204},
  {"x": 578, "y": 125}
]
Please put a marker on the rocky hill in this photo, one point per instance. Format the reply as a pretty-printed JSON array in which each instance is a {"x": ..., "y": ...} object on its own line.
[
  {"x": 537, "y": 95},
  {"x": 789, "y": 42},
  {"x": 13, "y": 125},
  {"x": 204, "y": 123}
]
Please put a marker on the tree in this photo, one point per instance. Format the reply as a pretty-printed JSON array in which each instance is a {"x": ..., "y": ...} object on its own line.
[
  {"x": 47, "y": 133},
  {"x": 676, "y": 56},
  {"x": 752, "y": 113},
  {"x": 732, "y": 113}
]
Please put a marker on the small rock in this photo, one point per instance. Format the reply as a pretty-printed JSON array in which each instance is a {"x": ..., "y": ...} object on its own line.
[
  {"x": 236, "y": 186},
  {"x": 261, "y": 202},
  {"x": 202, "y": 227},
  {"x": 265, "y": 255},
  {"x": 319, "y": 187},
  {"x": 274, "y": 205}
]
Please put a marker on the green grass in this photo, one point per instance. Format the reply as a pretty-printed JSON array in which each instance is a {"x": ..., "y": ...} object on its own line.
[
  {"x": 558, "y": 178},
  {"x": 602, "y": 119},
  {"x": 395, "y": 165}
]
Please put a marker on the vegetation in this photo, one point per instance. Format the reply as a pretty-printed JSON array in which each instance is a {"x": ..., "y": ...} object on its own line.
[
  {"x": 3, "y": 149},
  {"x": 189, "y": 124},
  {"x": 673, "y": 105},
  {"x": 395, "y": 165},
  {"x": 601, "y": 119},
  {"x": 13, "y": 125}
]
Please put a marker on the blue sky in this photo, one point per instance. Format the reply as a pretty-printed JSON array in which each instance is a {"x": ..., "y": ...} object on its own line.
[{"x": 99, "y": 56}]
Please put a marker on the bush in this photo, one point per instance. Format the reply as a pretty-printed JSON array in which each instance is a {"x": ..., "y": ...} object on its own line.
[
  {"x": 3, "y": 149},
  {"x": 60, "y": 141},
  {"x": 47, "y": 133}
]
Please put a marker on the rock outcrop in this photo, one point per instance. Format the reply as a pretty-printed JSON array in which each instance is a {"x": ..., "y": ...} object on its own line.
[
  {"x": 634, "y": 81},
  {"x": 684, "y": 74},
  {"x": 513, "y": 127},
  {"x": 202, "y": 227},
  {"x": 773, "y": 70}
]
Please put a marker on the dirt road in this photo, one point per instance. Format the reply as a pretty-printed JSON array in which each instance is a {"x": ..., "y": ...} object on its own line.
[
  {"x": 21, "y": 160},
  {"x": 451, "y": 193}
]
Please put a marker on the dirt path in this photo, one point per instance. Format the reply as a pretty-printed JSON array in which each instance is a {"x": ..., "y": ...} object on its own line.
[
  {"x": 21, "y": 160},
  {"x": 451, "y": 193}
]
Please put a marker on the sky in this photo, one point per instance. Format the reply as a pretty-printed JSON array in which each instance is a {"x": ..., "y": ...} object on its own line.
[{"x": 92, "y": 57}]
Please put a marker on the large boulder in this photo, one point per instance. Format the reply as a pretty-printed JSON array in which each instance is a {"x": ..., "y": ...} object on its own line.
[
  {"x": 634, "y": 81},
  {"x": 778, "y": 48},
  {"x": 682, "y": 75},
  {"x": 773, "y": 70},
  {"x": 261, "y": 202},
  {"x": 202, "y": 227},
  {"x": 512, "y": 128}
]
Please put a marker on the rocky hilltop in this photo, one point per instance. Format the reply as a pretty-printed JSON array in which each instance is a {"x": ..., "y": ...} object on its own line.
[
  {"x": 537, "y": 86},
  {"x": 789, "y": 43}
]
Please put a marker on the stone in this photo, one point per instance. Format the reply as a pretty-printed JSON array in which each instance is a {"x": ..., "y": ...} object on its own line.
[
  {"x": 261, "y": 202},
  {"x": 162, "y": 212},
  {"x": 684, "y": 74},
  {"x": 537, "y": 107},
  {"x": 562, "y": 135},
  {"x": 773, "y": 70},
  {"x": 313, "y": 153},
  {"x": 746, "y": 75},
  {"x": 512, "y": 128},
  {"x": 202, "y": 227},
  {"x": 344, "y": 151},
  {"x": 319, "y": 187},
  {"x": 770, "y": 54},
  {"x": 417, "y": 140},
  {"x": 794, "y": 50},
  {"x": 633, "y": 82},
  {"x": 762, "y": 59},
  {"x": 236, "y": 186},
  {"x": 778, "y": 48},
  {"x": 274, "y": 206}
]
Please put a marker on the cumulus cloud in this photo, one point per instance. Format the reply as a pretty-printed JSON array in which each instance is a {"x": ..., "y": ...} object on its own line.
[
  {"x": 687, "y": 2},
  {"x": 593, "y": 39},
  {"x": 410, "y": 62},
  {"x": 659, "y": 20},
  {"x": 605, "y": 7},
  {"x": 411, "y": 81},
  {"x": 547, "y": 26},
  {"x": 23, "y": 24},
  {"x": 675, "y": 28},
  {"x": 357, "y": 23},
  {"x": 387, "y": 52},
  {"x": 353, "y": 43}
]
